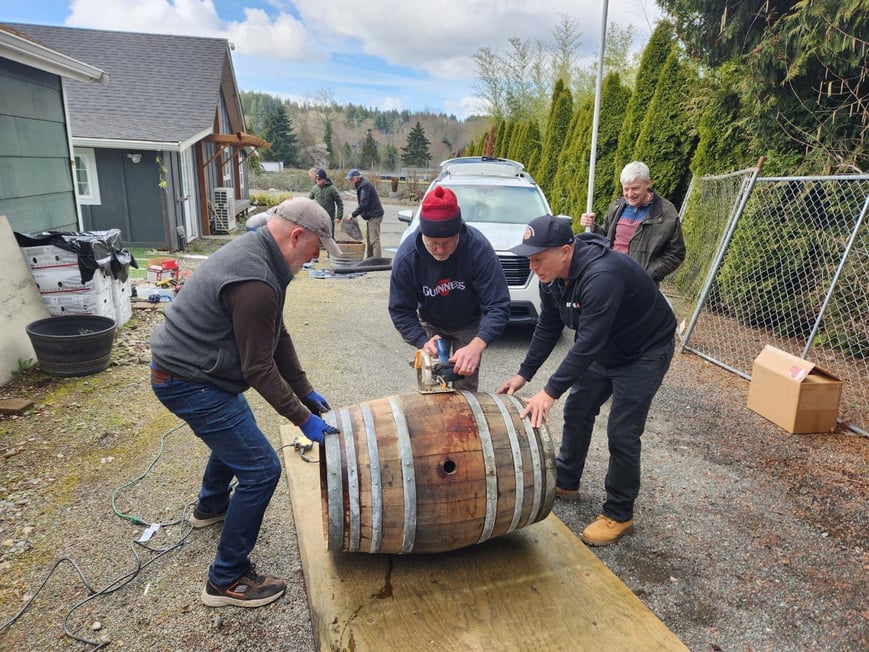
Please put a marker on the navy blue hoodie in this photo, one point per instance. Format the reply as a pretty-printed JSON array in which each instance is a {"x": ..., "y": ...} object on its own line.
[
  {"x": 452, "y": 294},
  {"x": 611, "y": 302}
]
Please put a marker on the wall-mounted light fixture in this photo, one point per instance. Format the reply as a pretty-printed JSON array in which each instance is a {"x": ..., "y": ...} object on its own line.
[{"x": 135, "y": 158}]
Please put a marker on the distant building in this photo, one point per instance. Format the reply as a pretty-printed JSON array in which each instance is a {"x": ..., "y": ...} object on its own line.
[{"x": 273, "y": 166}]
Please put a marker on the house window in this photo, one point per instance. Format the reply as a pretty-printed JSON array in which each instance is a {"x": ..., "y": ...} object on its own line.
[{"x": 87, "y": 185}]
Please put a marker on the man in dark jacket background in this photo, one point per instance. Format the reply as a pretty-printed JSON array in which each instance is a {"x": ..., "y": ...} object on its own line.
[
  {"x": 622, "y": 348},
  {"x": 642, "y": 224},
  {"x": 326, "y": 194},
  {"x": 447, "y": 283},
  {"x": 369, "y": 209}
]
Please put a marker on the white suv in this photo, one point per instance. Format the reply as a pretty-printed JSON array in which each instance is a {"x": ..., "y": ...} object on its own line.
[{"x": 498, "y": 198}]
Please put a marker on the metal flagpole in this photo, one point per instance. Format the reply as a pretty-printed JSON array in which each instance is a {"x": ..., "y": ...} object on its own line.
[{"x": 592, "y": 157}]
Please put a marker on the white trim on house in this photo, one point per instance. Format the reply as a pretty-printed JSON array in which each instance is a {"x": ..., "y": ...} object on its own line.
[
  {"x": 25, "y": 51},
  {"x": 142, "y": 145},
  {"x": 87, "y": 184}
]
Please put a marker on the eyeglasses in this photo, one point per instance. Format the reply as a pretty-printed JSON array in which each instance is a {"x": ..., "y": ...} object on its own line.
[{"x": 441, "y": 244}]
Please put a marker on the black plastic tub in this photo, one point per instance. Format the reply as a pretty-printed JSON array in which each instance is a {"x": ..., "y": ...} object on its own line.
[{"x": 72, "y": 345}]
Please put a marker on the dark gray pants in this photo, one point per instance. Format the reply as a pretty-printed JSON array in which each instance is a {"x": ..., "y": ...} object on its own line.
[
  {"x": 632, "y": 388},
  {"x": 457, "y": 338}
]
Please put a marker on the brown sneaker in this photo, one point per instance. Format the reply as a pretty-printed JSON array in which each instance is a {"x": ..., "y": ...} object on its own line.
[
  {"x": 199, "y": 519},
  {"x": 566, "y": 494},
  {"x": 249, "y": 590},
  {"x": 605, "y": 531}
]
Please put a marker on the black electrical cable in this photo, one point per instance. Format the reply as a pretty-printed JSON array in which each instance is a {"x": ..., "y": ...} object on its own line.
[{"x": 185, "y": 530}]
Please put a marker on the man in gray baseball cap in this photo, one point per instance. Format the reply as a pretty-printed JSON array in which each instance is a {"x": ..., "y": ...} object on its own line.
[
  {"x": 223, "y": 334},
  {"x": 308, "y": 214}
]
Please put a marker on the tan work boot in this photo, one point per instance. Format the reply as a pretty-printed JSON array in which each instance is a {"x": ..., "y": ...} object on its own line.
[
  {"x": 605, "y": 531},
  {"x": 566, "y": 494}
]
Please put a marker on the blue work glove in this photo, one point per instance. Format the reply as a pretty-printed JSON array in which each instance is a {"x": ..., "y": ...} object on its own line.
[
  {"x": 316, "y": 403},
  {"x": 316, "y": 429}
]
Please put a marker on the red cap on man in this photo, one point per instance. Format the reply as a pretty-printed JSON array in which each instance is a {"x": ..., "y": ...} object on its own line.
[{"x": 440, "y": 215}]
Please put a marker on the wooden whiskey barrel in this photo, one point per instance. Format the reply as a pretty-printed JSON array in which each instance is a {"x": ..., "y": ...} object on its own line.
[{"x": 433, "y": 472}]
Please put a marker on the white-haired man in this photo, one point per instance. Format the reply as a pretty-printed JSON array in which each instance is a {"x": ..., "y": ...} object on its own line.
[{"x": 642, "y": 224}]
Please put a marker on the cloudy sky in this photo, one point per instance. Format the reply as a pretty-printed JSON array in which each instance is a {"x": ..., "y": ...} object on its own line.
[{"x": 388, "y": 54}]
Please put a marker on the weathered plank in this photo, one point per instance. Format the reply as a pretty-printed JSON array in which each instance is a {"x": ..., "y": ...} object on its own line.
[{"x": 538, "y": 588}]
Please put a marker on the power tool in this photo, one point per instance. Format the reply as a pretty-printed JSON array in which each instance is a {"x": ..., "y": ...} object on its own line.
[{"x": 434, "y": 376}]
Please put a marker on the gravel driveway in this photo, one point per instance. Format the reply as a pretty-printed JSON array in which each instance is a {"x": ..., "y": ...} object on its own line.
[{"x": 746, "y": 537}]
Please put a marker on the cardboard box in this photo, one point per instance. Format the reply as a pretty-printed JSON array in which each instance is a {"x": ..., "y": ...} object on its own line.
[
  {"x": 80, "y": 303},
  {"x": 122, "y": 301},
  {"x": 48, "y": 256},
  {"x": 794, "y": 393},
  {"x": 67, "y": 279}
]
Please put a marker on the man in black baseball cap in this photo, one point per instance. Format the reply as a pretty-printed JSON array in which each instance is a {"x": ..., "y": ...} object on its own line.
[
  {"x": 543, "y": 233},
  {"x": 623, "y": 343}
]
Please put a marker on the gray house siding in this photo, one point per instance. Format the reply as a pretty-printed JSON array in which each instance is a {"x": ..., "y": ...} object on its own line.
[
  {"x": 160, "y": 94},
  {"x": 128, "y": 200},
  {"x": 36, "y": 187}
]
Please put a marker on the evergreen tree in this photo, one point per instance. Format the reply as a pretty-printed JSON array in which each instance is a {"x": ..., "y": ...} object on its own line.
[
  {"x": 560, "y": 115},
  {"x": 804, "y": 65},
  {"x": 370, "y": 157},
  {"x": 501, "y": 139},
  {"x": 415, "y": 153},
  {"x": 613, "y": 105},
  {"x": 257, "y": 107},
  {"x": 327, "y": 139},
  {"x": 570, "y": 181},
  {"x": 666, "y": 142},
  {"x": 655, "y": 54},
  {"x": 722, "y": 144},
  {"x": 390, "y": 157},
  {"x": 529, "y": 153},
  {"x": 278, "y": 131},
  {"x": 517, "y": 138}
]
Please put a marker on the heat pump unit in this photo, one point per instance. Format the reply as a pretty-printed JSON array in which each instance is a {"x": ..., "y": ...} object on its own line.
[{"x": 224, "y": 210}]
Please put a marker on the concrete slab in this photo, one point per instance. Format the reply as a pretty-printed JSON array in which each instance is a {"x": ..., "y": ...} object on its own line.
[{"x": 20, "y": 304}]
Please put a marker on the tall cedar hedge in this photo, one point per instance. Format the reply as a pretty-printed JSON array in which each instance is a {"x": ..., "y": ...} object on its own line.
[
  {"x": 613, "y": 106},
  {"x": 659, "y": 47},
  {"x": 722, "y": 144},
  {"x": 529, "y": 154},
  {"x": 556, "y": 130},
  {"x": 666, "y": 142}
]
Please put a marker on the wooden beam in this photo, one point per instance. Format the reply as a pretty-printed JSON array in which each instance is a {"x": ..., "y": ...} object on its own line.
[
  {"x": 536, "y": 588},
  {"x": 239, "y": 139}
]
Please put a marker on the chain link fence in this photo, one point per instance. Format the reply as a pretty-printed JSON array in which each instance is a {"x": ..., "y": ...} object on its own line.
[{"x": 781, "y": 261}]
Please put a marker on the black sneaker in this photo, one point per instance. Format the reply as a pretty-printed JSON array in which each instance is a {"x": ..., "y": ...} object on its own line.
[
  {"x": 249, "y": 590},
  {"x": 199, "y": 519}
]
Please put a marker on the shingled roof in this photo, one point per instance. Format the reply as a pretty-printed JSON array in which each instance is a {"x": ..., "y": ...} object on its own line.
[{"x": 161, "y": 88}]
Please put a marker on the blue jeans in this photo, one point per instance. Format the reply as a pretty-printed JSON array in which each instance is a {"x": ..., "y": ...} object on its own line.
[
  {"x": 632, "y": 387},
  {"x": 239, "y": 449}
]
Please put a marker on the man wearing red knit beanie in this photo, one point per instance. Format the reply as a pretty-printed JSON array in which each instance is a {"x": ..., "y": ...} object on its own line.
[{"x": 447, "y": 283}]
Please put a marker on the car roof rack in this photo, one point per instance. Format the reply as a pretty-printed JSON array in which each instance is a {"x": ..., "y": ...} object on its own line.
[{"x": 481, "y": 166}]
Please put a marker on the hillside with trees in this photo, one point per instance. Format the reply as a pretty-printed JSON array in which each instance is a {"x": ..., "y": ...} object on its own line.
[
  {"x": 715, "y": 88},
  {"x": 326, "y": 134}
]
